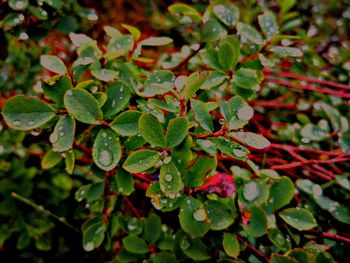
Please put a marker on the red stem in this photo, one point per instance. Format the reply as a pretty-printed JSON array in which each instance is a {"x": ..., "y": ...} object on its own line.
[
  {"x": 131, "y": 207},
  {"x": 257, "y": 252},
  {"x": 340, "y": 94},
  {"x": 307, "y": 79}
]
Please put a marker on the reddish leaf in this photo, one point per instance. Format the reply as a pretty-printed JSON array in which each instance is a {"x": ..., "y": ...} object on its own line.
[{"x": 222, "y": 184}]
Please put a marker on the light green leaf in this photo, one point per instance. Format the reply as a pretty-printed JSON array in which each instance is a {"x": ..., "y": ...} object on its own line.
[
  {"x": 156, "y": 41},
  {"x": 106, "y": 151},
  {"x": 26, "y": 113},
  {"x": 197, "y": 172},
  {"x": 226, "y": 55},
  {"x": 299, "y": 218},
  {"x": 55, "y": 87},
  {"x": 159, "y": 82},
  {"x": 170, "y": 179},
  {"x": 151, "y": 130},
  {"x": 268, "y": 24},
  {"x": 185, "y": 11},
  {"x": 118, "y": 94},
  {"x": 51, "y": 159},
  {"x": 133, "y": 31},
  {"x": 105, "y": 74},
  {"x": 220, "y": 214},
  {"x": 212, "y": 30},
  {"x": 251, "y": 139},
  {"x": 141, "y": 160},
  {"x": 93, "y": 236},
  {"x": 126, "y": 123},
  {"x": 202, "y": 116},
  {"x": 257, "y": 225},
  {"x": 176, "y": 132},
  {"x": 62, "y": 136},
  {"x": 231, "y": 148},
  {"x": 193, "y": 217},
  {"x": 286, "y": 51},
  {"x": 53, "y": 63},
  {"x": 83, "y": 106},
  {"x": 18, "y": 5},
  {"x": 281, "y": 193},
  {"x": 231, "y": 245},
  {"x": 227, "y": 13},
  {"x": 70, "y": 161}
]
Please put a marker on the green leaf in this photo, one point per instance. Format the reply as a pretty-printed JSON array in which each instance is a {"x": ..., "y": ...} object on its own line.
[
  {"x": 93, "y": 236},
  {"x": 55, "y": 88},
  {"x": 53, "y": 63},
  {"x": 133, "y": 31},
  {"x": 151, "y": 130},
  {"x": 192, "y": 85},
  {"x": 202, "y": 116},
  {"x": 156, "y": 41},
  {"x": 153, "y": 228},
  {"x": 220, "y": 214},
  {"x": 83, "y": 106},
  {"x": 281, "y": 193},
  {"x": 70, "y": 161},
  {"x": 100, "y": 97},
  {"x": 18, "y": 5},
  {"x": 162, "y": 257},
  {"x": 95, "y": 191},
  {"x": 251, "y": 139},
  {"x": 231, "y": 148},
  {"x": 237, "y": 112},
  {"x": 63, "y": 134},
  {"x": 26, "y": 113},
  {"x": 257, "y": 225},
  {"x": 158, "y": 83},
  {"x": 118, "y": 94},
  {"x": 246, "y": 78},
  {"x": 231, "y": 245},
  {"x": 185, "y": 11},
  {"x": 198, "y": 170},
  {"x": 250, "y": 36},
  {"x": 226, "y": 56},
  {"x": 135, "y": 244},
  {"x": 299, "y": 218},
  {"x": 79, "y": 40},
  {"x": 125, "y": 182},
  {"x": 141, "y": 160},
  {"x": 254, "y": 193},
  {"x": 51, "y": 159},
  {"x": 268, "y": 24},
  {"x": 278, "y": 239},
  {"x": 106, "y": 151},
  {"x": 286, "y": 51},
  {"x": 176, "y": 132},
  {"x": 213, "y": 80},
  {"x": 275, "y": 258},
  {"x": 227, "y": 13},
  {"x": 126, "y": 123},
  {"x": 106, "y": 75},
  {"x": 194, "y": 248},
  {"x": 193, "y": 217},
  {"x": 120, "y": 46},
  {"x": 170, "y": 179},
  {"x": 210, "y": 58},
  {"x": 212, "y": 30}
]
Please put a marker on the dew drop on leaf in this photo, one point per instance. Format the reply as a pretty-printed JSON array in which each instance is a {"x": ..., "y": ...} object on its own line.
[
  {"x": 168, "y": 178},
  {"x": 105, "y": 158},
  {"x": 200, "y": 214},
  {"x": 251, "y": 191},
  {"x": 245, "y": 113}
]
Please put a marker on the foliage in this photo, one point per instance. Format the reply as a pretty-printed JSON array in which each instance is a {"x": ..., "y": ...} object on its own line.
[{"x": 136, "y": 147}]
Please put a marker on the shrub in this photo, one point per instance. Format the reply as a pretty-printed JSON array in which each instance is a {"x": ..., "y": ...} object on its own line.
[{"x": 162, "y": 155}]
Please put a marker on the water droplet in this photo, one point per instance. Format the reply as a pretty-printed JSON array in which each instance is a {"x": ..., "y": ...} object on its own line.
[
  {"x": 120, "y": 97},
  {"x": 167, "y": 159},
  {"x": 140, "y": 162},
  {"x": 61, "y": 134},
  {"x": 168, "y": 178},
  {"x": 132, "y": 227},
  {"x": 69, "y": 92},
  {"x": 53, "y": 138},
  {"x": 63, "y": 155},
  {"x": 239, "y": 153},
  {"x": 184, "y": 243},
  {"x": 200, "y": 214},
  {"x": 113, "y": 103},
  {"x": 172, "y": 196},
  {"x": 23, "y": 36},
  {"x": 105, "y": 158},
  {"x": 16, "y": 123},
  {"x": 156, "y": 205},
  {"x": 60, "y": 128},
  {"x": 104, "y": 135},
  {"x": 2, "y": 149},
  {"x": 251, "y": 191},
  {"x": 317, "y": 190},
  {"x": 89, "y": 246},
  {"x": 245, "y": 113},
  {"x": 121, "y": 89}
]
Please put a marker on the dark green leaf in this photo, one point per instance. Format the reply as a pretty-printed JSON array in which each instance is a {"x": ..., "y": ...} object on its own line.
[
  {"x": 299, "y": 218},
  {"x": 202, "y": 115},
  {"x": 176, "y": 132},
  {"x": 231, "y": 245},
  {"x": 134, "y": 244},
  {"x": 151, "y": 130},
  {"x": 63, "y": 134},
  {"x": 140, "y": 161},
  {"x": 152, "y": 228}
]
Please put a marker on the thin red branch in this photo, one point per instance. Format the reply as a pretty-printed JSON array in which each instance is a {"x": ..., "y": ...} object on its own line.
[
  {"x": 131, "y": 207},
  {"x": 337, "y": 93},
  {"x": 331, "y": 236},
  {"x": 274, "y": 104},
  {"x": 307, "y": 79},
  {"x": 257, "y": 252}
]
